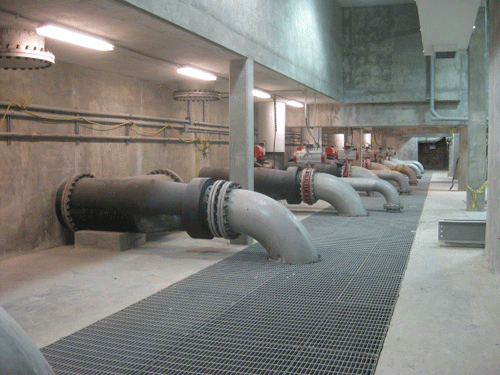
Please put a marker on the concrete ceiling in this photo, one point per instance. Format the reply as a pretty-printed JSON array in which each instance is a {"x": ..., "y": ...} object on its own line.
[{"x": 151, "y": 49}]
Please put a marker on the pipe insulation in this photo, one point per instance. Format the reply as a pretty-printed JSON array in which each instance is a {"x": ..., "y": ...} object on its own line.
[
  {"x": 410, "y": 173},
  {"x": 376, "y": 184},
  {"x": 204, "y": 208},
  {"x": 297, "y": 185}
]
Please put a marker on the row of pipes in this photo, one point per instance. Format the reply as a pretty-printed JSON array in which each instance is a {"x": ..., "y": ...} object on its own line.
[{"x": 206, "y": 207}]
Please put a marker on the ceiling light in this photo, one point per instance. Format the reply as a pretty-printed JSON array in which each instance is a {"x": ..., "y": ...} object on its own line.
[
  {"x": 295, "y": 103},
  {"x": 196, "y": 73},
  {"x": 260, "y": 94},
  {"x": 73, "y": 37}
]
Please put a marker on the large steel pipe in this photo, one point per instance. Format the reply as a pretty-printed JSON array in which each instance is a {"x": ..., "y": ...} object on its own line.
[
  {"x": 403, "y": 169},
  {"x": 298, "y": 185},
  {"x": 18, "y": 354},
  {"x": 417, "y": 163},
  {"x": 412, "y": 166},
  {"x": 397, "y": 177},
  {"x": 362, "y": 172},
  {"x": 203, "y": 208},
  {"x": 376, "y": 184}
]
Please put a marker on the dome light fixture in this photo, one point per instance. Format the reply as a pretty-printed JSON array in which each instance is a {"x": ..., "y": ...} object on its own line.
[{"x": 260, "y": 94}]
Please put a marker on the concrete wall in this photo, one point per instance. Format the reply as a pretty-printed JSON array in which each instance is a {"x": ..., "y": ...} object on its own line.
[
  {"x": 32, "y": 171},
  {"x": 300, "y": 39},
  {"x": 492, "y": 223}
]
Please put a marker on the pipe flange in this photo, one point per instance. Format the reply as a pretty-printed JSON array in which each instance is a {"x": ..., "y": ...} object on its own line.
[
  {"x": 393, "y": 207},
  {"x": 167, "y": 172},
  {"x": 307, "y": 186},
  {"x": 217, "y": 209},
  {"x": 63, "y": 203},
  {"x": 194, "y": 208}
]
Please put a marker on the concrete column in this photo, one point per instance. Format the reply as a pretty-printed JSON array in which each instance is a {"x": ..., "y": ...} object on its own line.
[
  {"x": 492, "y": 222},
  {"x": 478, "y": 109},
  {"x": 453, "y": 154},
  {"x": 241, "y": 125}
]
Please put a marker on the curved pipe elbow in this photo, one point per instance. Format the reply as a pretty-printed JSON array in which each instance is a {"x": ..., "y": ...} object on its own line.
[
  {"x": 397, "y": 177},
  {"x": 402, "y": 168},
  {"x": 385, "y": 188},
  {"x": 272, "y": 224},
  {"x": 362, "y": 172},
  {"x": 339, "y": 194}
]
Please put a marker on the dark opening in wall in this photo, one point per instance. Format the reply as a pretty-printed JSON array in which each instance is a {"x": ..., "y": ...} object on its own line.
[{"x": 434, "y": 155}]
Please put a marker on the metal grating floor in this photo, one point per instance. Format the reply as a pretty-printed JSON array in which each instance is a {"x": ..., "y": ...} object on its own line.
[{"x": 246, "y": 315}]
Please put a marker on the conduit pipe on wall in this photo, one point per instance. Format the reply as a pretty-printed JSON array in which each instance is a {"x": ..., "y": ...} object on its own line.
[
  {"x": 403, "y": 169},
  {"x": 298, "y": 185},
  {"x": 18, "y": 354},
  {"x": 204, "y": 208},
  {"x": 376, "y": 184}
]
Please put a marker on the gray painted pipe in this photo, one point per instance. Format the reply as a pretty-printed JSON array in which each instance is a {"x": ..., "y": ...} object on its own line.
[
  {"x": 18, "y": 354},
  {"x": 379, "y": 167},
  {"x": 417, "y": 163},
  {"x": 362, "y": 172},
  {"x": 288, "y": 185},
  {"x": 415, "y": 168},
  {"x": 150, "y": 204},
  {"x": 403, "y": 169},
  {"x": 373, "y": 184},
  {"x": 273, "y": 225},
  {"x": 334, "y": 189},
  {"x": 398, "y": 177}
]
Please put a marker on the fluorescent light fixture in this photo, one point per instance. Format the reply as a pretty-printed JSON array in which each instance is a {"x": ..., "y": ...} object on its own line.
[
  {"x": 260, "y": 94},
  {"x": 73, "y": 37},
  {"x": 294, "y": 103},
  {"x": 196, "y": 73}
]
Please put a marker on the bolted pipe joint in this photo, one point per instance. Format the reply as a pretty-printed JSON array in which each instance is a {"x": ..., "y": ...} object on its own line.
[{"x": 204, "y": 208}]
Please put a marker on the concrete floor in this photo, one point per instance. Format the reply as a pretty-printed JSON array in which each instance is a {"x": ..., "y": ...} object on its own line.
[{"x": 447, "y": 319}]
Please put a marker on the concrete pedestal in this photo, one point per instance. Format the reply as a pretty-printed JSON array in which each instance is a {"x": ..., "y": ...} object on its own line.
[{"x": 113, "y": 241}]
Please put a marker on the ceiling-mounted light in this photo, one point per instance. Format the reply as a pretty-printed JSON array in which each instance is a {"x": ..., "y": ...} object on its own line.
[
  {"x": 73, "y": 37},
  {"x": 294, "y": 103},
  {"x": 196, "y": 73},
  {"x": 260, "y": 94}
]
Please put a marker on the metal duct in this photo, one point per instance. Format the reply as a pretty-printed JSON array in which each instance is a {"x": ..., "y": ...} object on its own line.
[
  {"x": 376, "y": 184},
  {"x": 298, "y": 185},
  {"x": 18, "y": 354},
  {"x": 204, "y": 208},
  {"x": 403, "y": 169}
]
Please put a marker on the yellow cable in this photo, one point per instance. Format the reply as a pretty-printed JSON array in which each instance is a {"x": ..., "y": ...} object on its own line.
[
  {"x": 476, "y": 192},
  {"x": 204, "y": 143}
]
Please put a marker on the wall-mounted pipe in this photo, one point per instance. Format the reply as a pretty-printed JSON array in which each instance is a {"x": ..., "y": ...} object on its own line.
[
  {"x": 415, "y": 168},
  {"x": 18, "y": 354},
  {"x": 204, "y": 208},
  {"x": 298, "y": 185},
  {"x": 393, "y": 201},
  {"x": 434, "y": 115},
  {"x": 403, "y": 169}
]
